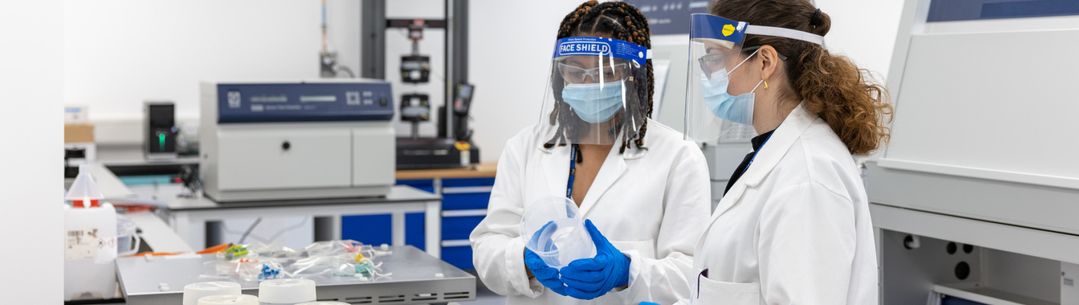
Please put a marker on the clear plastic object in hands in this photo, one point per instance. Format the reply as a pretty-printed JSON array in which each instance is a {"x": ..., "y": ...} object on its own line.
[{"x": 556, "y": 232}]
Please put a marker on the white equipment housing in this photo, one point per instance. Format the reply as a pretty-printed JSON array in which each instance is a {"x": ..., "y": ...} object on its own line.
[
  {"x": 977, "y": 195},
  {"x": 296, "y": 140}
]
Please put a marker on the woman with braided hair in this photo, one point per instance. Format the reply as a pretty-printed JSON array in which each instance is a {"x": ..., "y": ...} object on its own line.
[{"x": 642, "y": 187}]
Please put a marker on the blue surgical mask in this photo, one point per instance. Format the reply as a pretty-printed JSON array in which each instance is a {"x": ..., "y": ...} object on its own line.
[
  {"x": 594, "y": 103},
  {"x": 735, "y": 108}
]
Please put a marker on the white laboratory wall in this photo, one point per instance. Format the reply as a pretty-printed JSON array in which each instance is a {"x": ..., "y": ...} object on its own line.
[
  {"x": 119, "y": 53},
  {"x": 863, "y": 30},
  {"x": 31, "y": 227}
]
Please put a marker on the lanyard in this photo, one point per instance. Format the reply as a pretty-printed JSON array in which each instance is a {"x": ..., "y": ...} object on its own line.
[
  {"x": 572, "y": 171},
  {"x": 755, "y": 152}
]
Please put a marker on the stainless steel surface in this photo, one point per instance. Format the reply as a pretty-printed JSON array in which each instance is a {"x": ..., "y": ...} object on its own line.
[
  {"x": 414, "y": 280},
  {"x": 398, "y": 193}
]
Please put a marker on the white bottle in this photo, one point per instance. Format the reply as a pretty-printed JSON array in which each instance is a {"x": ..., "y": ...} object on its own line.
[
  {"x": 286, "y": 291},
  {"x": 196, "y": 291},
  {"x": 89, "y": 242}
]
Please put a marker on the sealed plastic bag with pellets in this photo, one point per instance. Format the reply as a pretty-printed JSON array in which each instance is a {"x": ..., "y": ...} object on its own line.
[{"x": 343, "y": 258}]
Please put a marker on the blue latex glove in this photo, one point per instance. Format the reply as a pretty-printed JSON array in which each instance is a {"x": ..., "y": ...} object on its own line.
[
  {"x": 590, "y": 278},
  {"x": 544, "y": 274}
]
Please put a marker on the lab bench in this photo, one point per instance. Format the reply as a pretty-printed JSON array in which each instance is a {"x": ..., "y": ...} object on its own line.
[
  {"x": 464, "y": 192},
  {"x": 334, "y": 217},
  {"x": 464, "y": 195}
]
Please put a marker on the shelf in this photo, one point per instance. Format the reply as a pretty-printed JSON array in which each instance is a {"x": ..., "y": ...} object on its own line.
[{"x": 986, "y": 295}]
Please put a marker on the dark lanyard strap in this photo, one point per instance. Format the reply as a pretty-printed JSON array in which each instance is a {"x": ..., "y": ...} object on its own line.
[
  {"x": 755, "y": 152},
  {"x": 572, "y": 171}
]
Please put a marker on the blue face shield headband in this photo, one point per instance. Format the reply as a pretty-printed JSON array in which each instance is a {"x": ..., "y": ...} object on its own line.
[
  {"x": 727, "y": 36},
  {"x": 594, "y": 72}
]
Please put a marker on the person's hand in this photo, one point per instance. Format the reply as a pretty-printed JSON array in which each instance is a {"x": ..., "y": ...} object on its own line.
[
  {"x": 546, "y": 275},
  {"x": 590, "y": 278}
]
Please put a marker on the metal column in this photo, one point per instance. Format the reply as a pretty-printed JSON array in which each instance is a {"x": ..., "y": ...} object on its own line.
[{"x": 373, "y": 39}]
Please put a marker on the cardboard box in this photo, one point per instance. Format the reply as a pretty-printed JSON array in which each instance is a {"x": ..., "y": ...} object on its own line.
[{"x": 78, "y": 133}]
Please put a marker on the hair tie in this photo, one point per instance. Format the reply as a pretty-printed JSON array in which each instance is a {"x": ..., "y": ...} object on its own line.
[{"x": 815, "y": 20}]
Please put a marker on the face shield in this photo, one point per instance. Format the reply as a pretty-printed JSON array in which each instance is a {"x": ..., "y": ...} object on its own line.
[
  {"x": 596, "y": 92},
  {"x": 715, "y": 112}
]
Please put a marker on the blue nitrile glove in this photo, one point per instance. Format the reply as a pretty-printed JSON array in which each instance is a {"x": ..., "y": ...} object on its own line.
[
  {"x": 648, "y": 303},
  {"x": 590, "y": 278},
  {"x": 544, "y": 274}
]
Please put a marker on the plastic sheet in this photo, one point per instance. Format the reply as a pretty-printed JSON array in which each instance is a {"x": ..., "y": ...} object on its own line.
[{"x": 340, "y": 258}]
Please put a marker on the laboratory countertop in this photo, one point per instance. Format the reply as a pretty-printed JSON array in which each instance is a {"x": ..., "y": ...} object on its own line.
[
  {"x": 398, "y": 193},
  {"x": 160, "y": 279},
  {"x": 482, "y": 170}
]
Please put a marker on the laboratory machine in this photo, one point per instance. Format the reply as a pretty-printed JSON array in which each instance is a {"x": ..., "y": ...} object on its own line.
[
  {"x": 283, "y": 140},
  {"x": 452, "y": 146},
  {"x": 159, "y": 130},
  {"x": 976, "y": 196}
]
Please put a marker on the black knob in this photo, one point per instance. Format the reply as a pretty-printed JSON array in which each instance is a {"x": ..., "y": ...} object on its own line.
[{"x": 286, "y": 145}]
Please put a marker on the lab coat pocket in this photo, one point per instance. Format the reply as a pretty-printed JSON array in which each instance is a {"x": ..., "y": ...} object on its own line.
[
  {"x": 644, "y": 248},
  {"x": 727, "y": 293}
]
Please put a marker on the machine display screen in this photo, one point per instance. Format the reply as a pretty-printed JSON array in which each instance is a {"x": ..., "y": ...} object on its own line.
[
  {"x": 959, "y": 10},
  {"x": 303, "y": 102}
]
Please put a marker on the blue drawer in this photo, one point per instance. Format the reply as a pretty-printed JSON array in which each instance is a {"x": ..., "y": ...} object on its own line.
[
  {"x": 460, "y": 257},
  {"x": 414, "y": 233},
  {"x": 458, "y": 228},
  {"x": 427, "y": 185},
  {"x": 465, "y": 201},
  {"x": 368, "y": 229},
  {"x": 456, "y": 182}
]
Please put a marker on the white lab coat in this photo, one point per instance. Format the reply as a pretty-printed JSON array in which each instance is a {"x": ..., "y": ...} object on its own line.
[
  {"x": 794, "y": 229},
  {"x": 651, "y": 204}
]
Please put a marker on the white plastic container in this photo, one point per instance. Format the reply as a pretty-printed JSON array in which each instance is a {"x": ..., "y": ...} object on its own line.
[
  {"x": 196, "y": 291},
  {"x": 554, "y": 231},
  {"x": 89, "y": 252},
  {"x": 127, "y": 238},
  {"x": 89, "y": 242},
  {"x": 286, "y": 291},
  {"x": 234, "y": 299}
]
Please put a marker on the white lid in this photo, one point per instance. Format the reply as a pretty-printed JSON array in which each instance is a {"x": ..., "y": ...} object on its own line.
[
  {"x": 195, "y": 291},
  {"x": 324, "y": 303},
  {"x": 287, "y": 291},
  {"x": 235, "y": 299}
]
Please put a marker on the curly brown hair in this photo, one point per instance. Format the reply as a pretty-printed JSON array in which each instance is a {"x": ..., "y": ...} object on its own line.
[
  {"x": 832, "y": 86},
  {"x": 618, "y": 20}
]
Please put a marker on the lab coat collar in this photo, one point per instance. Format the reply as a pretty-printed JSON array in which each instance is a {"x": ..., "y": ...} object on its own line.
[{"x": 781, "y": 141}]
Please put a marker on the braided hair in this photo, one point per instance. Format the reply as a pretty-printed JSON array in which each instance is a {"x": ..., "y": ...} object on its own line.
[{"x": 617, "y": 20}]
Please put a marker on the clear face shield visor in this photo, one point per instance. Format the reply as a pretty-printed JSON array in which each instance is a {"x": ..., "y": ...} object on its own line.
[
  {"x": 597, "y": 92},
  {"x": 715, "y": 111}
]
